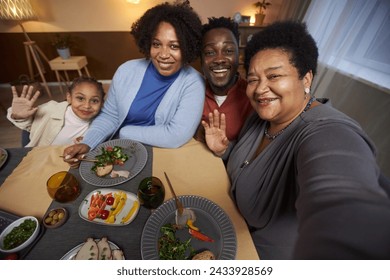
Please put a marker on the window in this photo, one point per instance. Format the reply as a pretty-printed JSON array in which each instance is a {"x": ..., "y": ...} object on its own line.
[{"x": 353, "y": 36}]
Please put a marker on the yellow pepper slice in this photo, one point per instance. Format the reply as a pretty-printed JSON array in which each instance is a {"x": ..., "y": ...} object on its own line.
[
  {"x": 131, "y": 212},
  {"x": 191, "y": 225},
  {"x": 119, "y": 202}
]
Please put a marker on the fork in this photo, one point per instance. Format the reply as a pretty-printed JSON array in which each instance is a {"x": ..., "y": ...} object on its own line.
[{"x": 85, "y": 159}]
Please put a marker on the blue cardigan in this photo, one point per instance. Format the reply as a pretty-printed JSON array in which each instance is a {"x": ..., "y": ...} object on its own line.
[{"x": 176, "y": 118}]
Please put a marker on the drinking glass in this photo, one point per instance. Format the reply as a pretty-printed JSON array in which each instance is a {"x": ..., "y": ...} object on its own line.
[
  {"x": 63, "y": 187},
  {"x": 151, "y": 192}
]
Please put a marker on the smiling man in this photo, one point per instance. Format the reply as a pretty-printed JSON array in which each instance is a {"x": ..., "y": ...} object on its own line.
[{"x": 225, "y": 89}]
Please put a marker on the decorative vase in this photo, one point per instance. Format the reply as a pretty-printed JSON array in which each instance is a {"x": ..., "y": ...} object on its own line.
[
  {"x": 259, "y": 19},
  {"x": 64, "y": 53}
]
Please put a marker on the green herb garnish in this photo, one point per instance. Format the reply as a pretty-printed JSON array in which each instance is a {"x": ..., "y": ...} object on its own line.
[
  {"x": 110, "y": 155},
  {"x": 171, "y": 248},
  {"x": 19, "y": 234}
]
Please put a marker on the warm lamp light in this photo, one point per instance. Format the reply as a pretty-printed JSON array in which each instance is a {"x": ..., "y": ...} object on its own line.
[
  {"x": 252, "y": 21},
  {"x": 133, "y": 1},
  {"x": 16, "y": 10},
  {"x": 21, "y": 10}
]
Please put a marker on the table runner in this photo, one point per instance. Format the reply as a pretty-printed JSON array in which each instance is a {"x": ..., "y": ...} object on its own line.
[
  {"x": 76, "y": 230},
  {"x": 193, "y": 169},
  {"x": 33, "y": 171},
  {"x": 15, "y": 156}
]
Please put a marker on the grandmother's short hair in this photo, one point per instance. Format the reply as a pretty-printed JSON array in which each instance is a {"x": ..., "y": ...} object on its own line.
[{"x": 289, "y": 36}]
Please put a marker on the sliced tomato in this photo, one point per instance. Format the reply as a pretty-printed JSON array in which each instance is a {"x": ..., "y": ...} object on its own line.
[
  {"x": 110, "y": 200},
  {"x": 119, "y": 162},
  {"x": 104, "y": 214}
]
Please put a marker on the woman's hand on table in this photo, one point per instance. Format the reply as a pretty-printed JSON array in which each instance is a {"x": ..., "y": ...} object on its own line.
[
  {"x": 74, "y": 153},
  {"x": 215, "y": 133}
]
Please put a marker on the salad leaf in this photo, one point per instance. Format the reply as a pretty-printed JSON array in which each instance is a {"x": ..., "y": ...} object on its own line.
[
  {"x": 110, "y": 155},
  {"x": 171, "y": 248}
]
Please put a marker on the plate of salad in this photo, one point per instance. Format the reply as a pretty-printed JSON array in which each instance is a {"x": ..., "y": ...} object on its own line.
[
  {"x": 123, "y": 158},
  {"x": 212, "y": 231}
]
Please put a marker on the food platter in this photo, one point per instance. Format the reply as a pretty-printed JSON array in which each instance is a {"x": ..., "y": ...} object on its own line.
[
  {"x": 73, "y": 252},
  {"x": 131, "y": 199},
  {"x": 210, "y": 218},
  {"x": 3, "y": 156},
  {"x": 138, "y": 157}
]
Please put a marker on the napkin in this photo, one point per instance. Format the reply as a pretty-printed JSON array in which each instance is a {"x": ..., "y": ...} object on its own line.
[{"x": 33, "y": 171}]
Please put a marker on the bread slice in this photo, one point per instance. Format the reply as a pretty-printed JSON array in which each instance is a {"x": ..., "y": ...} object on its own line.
[
  {"x": 89, "y": 251},
  {"x": 117, "y": 254},
  {"x": 205, "y": 255},
  {"x": 104, "y": 249}
]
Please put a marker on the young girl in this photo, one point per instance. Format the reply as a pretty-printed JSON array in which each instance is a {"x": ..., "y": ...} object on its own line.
[{"x": 57, "y": 123}]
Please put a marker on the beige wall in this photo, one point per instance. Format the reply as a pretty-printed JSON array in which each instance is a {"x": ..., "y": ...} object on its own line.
[
  {"x": 100, "y": 30},
  {"x": 118, "y": 15}
]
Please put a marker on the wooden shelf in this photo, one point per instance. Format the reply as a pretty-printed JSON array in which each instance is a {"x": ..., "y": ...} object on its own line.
[{"x": 245, "y": 32}]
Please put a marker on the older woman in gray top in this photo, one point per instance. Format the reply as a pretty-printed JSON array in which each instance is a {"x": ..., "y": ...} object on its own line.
[{"x": 303, "y": 174}]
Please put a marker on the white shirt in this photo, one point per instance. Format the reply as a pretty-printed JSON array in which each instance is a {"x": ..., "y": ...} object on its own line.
[
  {"x": 73, "y": 128},
  {"x": 220, "y": 99}
]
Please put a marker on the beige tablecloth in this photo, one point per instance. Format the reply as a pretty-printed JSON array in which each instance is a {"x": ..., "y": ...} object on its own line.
[
  {"x": 24, "y": 191},
  {"x": 194, "y": 170}
]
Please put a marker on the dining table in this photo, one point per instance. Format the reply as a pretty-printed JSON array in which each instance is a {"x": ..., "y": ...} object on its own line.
[{"x": 193, "y": 171}]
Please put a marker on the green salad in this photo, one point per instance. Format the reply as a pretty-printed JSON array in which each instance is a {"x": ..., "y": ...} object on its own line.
[
  {"x": 171, "y": 248},
  {"x": 19, "y": 234},
  {"x": 110, "y": 155}
]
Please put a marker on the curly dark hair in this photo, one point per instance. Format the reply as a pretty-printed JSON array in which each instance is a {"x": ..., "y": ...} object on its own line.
[
  {"x": 184, "y": 20},
  {"x": 291, "y": 37},
  {"x": 84, "y": 79},
  {"x": 222, "y": 22}
]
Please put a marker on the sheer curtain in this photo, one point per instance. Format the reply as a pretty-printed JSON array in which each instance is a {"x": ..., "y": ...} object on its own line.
[
  {"x": 353, "y": 38},
  {"x": 293, "y": 9}
]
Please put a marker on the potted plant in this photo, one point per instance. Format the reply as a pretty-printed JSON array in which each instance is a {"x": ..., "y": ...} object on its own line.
[
  {"x": 62, "y": 43},
  {"x": 261, "y": 6}
]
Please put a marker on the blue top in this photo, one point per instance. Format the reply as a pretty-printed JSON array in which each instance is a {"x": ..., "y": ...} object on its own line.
[
  {"x": 151, "y": 92},
  {"x": 176, "y": 117}
]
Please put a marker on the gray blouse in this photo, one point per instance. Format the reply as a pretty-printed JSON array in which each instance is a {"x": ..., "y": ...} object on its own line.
[{"x": 314, "y": 191}]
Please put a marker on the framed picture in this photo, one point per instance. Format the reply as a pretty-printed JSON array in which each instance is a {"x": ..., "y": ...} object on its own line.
[{"x": 245, "y": 20}]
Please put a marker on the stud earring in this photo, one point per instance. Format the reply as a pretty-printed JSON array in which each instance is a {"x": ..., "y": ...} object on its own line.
[{"x": 307, "y": 90}]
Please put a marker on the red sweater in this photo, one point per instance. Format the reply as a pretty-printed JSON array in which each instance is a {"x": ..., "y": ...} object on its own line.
[{"x": 236, "y": 107}]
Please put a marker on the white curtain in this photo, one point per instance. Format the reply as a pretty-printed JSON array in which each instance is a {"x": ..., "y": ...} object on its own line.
[
  {"x": 293, "y": 9},
  {"x": 353, "y": 38}
]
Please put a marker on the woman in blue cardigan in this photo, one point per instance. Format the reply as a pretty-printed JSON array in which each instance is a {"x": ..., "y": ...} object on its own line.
[{"x": 157, "y": 100}]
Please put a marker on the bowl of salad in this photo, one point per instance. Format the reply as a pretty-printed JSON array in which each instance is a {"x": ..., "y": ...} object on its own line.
[{"x": 19, "y": 234}]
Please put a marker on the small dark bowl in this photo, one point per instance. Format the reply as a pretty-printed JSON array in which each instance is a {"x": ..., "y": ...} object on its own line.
[{"x": 55, "y": 217}]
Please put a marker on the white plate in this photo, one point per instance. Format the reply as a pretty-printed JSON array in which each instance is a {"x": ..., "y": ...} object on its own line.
[
  {"x": 131, "y": 198},
  {"x": 72, "y": 253},
  {"x": 3, "y": 156},
  {"x": 138, "y": 156}
]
